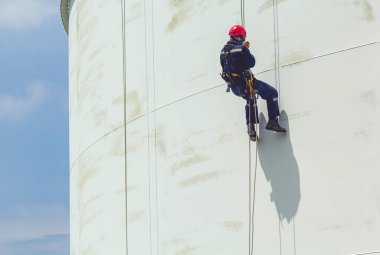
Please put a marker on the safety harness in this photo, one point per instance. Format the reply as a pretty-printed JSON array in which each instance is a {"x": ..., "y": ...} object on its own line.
[
  {"x": 227, "y": 75},
  {"x": 230, "y": 77}
]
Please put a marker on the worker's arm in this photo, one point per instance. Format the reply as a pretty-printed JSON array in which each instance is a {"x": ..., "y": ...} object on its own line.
[{"x": 249, "y": 59}]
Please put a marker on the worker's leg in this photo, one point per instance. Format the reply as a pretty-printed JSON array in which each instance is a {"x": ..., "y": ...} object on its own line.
[
  {"x": 269, "y": 94},
  {"x": 251, "y": 108},
  {"x": 239, "y": 89}
]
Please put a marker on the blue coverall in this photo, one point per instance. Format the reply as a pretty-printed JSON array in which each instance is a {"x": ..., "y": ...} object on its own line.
[{"x": 240, "y": 60}]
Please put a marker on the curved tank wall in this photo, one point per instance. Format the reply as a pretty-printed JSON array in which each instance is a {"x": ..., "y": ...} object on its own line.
[{"x": 159, "y": 153}]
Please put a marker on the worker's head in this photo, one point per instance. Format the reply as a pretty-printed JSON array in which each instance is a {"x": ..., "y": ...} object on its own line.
[{"x": 238, "y": 33}]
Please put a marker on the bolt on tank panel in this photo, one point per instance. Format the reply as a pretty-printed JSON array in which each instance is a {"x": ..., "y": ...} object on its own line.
[
  {"x": 99, "y": 81},
  {"x": 187, "y": 44},
  {"x": 312, "y": 28},
  {"x": 98, "y": 198}
]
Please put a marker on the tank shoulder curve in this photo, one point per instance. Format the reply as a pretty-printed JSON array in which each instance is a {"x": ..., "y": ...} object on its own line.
[{"x": 65, "y": 13}]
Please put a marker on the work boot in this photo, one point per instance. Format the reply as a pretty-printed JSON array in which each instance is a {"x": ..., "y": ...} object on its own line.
[
  {"x": 252, "y": 132},
  {"x": 274, "y": 126}
]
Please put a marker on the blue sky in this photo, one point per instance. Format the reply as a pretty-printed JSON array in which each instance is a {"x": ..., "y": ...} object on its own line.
[{"x": 34, "y": 161}]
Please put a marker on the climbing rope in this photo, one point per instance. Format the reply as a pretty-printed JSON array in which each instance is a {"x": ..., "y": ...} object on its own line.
[
  {"x": 252, "y": 189},
  {"x": 242, "y": 12},
  {"x": 252, "y": 196},
  {"x": 276, "y": 48},
  {"x": 122, "y": 2}
]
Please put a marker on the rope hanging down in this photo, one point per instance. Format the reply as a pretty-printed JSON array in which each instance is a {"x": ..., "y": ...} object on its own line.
[
  {"x": 252, "y": 196},
  {"x": 122, "y": 2}
]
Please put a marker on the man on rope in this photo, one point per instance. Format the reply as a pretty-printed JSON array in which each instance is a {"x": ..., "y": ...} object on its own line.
[{"x": 236, "y": 61}]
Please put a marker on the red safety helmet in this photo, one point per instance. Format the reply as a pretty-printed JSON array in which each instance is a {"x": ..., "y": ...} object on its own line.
[{"x": 238, "y": 30}]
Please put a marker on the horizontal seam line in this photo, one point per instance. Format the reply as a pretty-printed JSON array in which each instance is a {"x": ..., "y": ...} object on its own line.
[
  {"x": 92, "y": 144},
  {"x": 100, "y": 138},
  {"x": 200, "y": 92},
  {"x": 331, "y": 53},
  {"x": 186, "y": 97},
  {"x": 267, "y": 70},
  {"x": 368, "y": 253}
]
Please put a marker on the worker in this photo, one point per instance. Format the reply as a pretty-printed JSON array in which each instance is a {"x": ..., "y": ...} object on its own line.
[{"x": 236, "y": 61}]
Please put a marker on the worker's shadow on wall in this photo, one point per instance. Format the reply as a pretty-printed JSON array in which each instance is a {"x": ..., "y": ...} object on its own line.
[{"x": 280, "y": 167}]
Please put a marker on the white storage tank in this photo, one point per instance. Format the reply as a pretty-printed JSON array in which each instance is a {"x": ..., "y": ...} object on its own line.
[{"x": 159, "y": 156}]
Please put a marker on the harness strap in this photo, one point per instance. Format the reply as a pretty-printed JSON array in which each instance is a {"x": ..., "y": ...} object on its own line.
[{"x": 229, "y": 76}]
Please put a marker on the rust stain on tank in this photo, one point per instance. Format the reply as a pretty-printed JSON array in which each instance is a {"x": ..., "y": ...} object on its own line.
[
  {"x": 135, "y": 11},
  {"x": 131, "y": 188},
  {"x": 87, "y": 250},
  {"x": 118, "y": 100},
  {"x": 132, "y": 19},
  {"x": 370, "y": 98},
  {"x": 177, "y": 19},
  {"x": 177, "y": 241},
  {"x": 232, "y": 225},
  {"x": 133, "y": 105},
  {"x": 135, "y": 216},
  {"x": 84, "y": 219},
  {"x": 182, "y": 10},
  {"x": 118, "y": 146},
  {"x": 186, "y": 251},
  {"x": 363, "y": 133},
  {"x": 133, "y": 147},
  {"x": 190, "y": 149},
  {"x": 223, "y": 1},
  {"x": 90, "y": 201},
  {"x": 95, "y": 54},
  {"x": 295, "y": 57},
  {"x": 136, "y": 139},
  {"x": 298, "y": 115},
  {"x": 225, "y": 137},
  {"x": 177, "y": 3},
  {"x": 86, "y": 29},
  {"x": 137, "y": 7},
  {"x": 190, "y": 161},
  {"x": 368, "y": 10},
  {"x": 199, "y": 179},
  {"x": 100, "y": 117},
  {"x": 269, "y": 5},
  {"x": 160, "y": 142},
  {"x": 86, "y": 172},
  {"x": 92, "y": 76},
  {"x": 83, "y": 45}
]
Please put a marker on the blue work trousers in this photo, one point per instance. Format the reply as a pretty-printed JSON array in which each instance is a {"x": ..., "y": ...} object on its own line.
[{"x": 265, "y": 91}]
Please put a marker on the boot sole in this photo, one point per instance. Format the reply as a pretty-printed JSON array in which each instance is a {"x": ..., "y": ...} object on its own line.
[{"x": 278, "y": 131}]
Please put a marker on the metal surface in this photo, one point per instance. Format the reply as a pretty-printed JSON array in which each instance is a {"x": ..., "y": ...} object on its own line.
[
  {"x": 186, "y": 147},
  {"x": 65, "y": 13}
]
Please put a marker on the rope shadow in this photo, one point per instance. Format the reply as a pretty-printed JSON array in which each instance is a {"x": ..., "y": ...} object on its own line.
[{"x": 280, "y": 168}]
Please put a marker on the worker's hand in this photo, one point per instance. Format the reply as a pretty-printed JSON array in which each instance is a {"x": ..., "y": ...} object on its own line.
[{"x": 247, "y": 44}]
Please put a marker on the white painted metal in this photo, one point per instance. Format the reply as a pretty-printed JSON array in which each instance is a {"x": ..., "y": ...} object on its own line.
[{"x": 187, "y": 150}]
